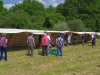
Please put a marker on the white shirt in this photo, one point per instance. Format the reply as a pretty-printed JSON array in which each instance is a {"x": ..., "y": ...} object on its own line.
[{"x": 49, "y": 37}]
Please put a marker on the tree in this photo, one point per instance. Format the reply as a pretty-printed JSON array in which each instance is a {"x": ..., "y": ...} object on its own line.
[
  {"x": 76, "y": 25},
  {"x": 18, "y": 19},
  {"x": 86, "y": 10},
  {"x": 3, "y": 10},
  {"x": 61, "y": 26}
]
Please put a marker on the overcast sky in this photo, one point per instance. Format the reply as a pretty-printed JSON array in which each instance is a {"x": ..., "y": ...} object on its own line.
[{"x": 46, "y": 3}]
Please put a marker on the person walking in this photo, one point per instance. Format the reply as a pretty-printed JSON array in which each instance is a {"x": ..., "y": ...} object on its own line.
[
  {"x": 31, "y": 44},
  {"x": 3, "y": 46},
  {"x": 59, "y": 45}
]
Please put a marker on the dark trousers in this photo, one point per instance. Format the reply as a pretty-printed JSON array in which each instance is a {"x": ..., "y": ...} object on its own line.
[
  {"x": 3, "y": 50},
  {"x": 44, "y": 50},
  {"x": 93, "y": 43},
  {"x": 74, "y": 41}
]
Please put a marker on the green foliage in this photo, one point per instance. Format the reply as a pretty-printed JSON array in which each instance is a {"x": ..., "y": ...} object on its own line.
[
  {"x": 17, "y": 19},
  {"x": 47, "y": 23},
  {"x": 86, "y": 10},
  {"x": 76, "y": 25},
  {"x": 60, "y": 26},
  {"x": 32, "y": 7},
  {"x": 3, "y": 11},
  {"x": 32, "y": 14}
]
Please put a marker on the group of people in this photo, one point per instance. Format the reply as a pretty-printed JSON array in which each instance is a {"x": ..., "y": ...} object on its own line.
[
  {"x": 69, "y": 39},
  {"x": 45, "y": 44},
  {"x": 60, "y": 41},
  {"x": 3, "y": 47}
]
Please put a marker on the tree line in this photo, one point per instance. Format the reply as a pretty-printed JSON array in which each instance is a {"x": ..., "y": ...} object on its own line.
[{"x": 74, "y": 15}]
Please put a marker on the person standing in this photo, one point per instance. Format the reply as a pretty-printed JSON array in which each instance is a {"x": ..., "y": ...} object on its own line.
[
  {"x": 49, "y": 42},
  {"x": 31, "y": 44},
  {"x": 82, "y": 37},
  {"x": 75, "y": 39},
  {"x": 3, "y": 46},
  {"x": 93, "y": 40},
  {"x": 69, "y": 39},
  {"x": 44, "y": 45},
  {"x": 59, "y": 45}
]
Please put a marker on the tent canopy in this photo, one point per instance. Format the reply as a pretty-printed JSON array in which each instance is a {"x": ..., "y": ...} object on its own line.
[{"x": 19, "y": 36}]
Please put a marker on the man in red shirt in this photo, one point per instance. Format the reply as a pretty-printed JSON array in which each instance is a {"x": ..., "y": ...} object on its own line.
[{"x": 44, "y": 45}]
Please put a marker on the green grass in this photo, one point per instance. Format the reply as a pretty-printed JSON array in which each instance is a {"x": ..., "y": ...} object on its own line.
[{"x": 76, "y": 60}]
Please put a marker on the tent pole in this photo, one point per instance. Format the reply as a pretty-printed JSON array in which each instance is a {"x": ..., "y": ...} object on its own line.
[
  {"x": 9, "y": 39},
  {"x": 86, "y": 38}
]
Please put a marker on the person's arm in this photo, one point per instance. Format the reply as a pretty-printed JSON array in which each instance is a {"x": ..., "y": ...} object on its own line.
[
  {"x": 56, "y": 42},
  {"x": 34, "y": 43},
  {"x": 42, "y": 41},
  {"x": 27, "y": 41},
  {"x": 5, "y": 42},
  {"x": 62, "y": 43}
]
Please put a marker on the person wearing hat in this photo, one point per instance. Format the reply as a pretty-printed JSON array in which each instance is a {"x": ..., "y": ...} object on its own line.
[
  {"x": 31, "y": 44},
  {"x": 3, "y": 46}
]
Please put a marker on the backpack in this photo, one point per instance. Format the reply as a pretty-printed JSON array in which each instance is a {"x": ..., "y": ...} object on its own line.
[{"x": 59, "y": 42}]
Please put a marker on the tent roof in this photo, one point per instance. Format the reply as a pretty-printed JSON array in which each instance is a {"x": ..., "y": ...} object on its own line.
[
  {"x": 20, "y": 31},
  {"x": 58, "y": 31},
  {"x": 8, "y": 30}
]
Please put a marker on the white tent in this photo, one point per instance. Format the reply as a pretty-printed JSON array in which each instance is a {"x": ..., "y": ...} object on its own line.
[{"x": 19, "y": 36}]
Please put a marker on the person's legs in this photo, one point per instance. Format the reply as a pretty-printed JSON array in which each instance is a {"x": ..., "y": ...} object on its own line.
[
  {"x": 92, "y": 43},
  {"x": 29, "y": 48},
  {"x": 83, "y": 42},
  {"x": 46, "y": 51},
  {"x": 57, "y": 51},
  {"x": 1, "y": 50},
  {"x": 60, "y": 50},
  {"x": 48, "y": 48},
  {"x": 43, "y": 50},
  {"x": 5, "y": 53},
  {"x": 32, "y": 50},
  {"x": 95, "y": 43}
]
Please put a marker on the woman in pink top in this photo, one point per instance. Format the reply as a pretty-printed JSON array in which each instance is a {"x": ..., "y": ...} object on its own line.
[
  {"x": 44, "y": 45},
  {"x": 3, "y": 46}
]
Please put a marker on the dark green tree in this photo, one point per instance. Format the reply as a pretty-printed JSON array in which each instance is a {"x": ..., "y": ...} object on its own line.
[
  {"x": 86, "y": 10},
  {"x": 17, "y": 19}
]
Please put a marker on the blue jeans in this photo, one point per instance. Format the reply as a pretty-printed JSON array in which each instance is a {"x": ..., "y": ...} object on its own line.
[
  {"x": 3, "y": 50},
  {"x": 59, "y": 51}
]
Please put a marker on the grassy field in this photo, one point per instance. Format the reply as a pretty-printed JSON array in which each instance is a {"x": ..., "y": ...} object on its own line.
[{"x": 76, "y": 60}]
